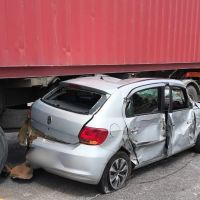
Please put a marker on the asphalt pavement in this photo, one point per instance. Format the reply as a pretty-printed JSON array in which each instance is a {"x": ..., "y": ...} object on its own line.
[{"x": 177, "y": 177}]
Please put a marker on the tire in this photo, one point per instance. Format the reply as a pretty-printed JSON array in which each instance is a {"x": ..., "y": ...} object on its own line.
[
  {"x": 196, "y": 148},
  {"x": 3, "y": 150},
  {"x": 193, "y": 93},
  {"x": 115, "y": 177}
]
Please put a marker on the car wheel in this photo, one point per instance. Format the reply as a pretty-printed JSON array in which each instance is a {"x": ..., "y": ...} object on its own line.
[
  {"x": 3, "y": 150},
  {"x": 116, "y": 173},
  {"x": 196, "y": 148}
]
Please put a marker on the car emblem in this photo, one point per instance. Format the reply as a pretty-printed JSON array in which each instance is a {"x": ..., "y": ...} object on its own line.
[{"x": 49, "y": 119}]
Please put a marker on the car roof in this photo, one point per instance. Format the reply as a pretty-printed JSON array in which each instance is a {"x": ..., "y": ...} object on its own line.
[{"x": 110, "y": 84}]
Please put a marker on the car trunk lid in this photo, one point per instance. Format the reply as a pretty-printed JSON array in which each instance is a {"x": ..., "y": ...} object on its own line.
[{"x": 62, "y": 119}]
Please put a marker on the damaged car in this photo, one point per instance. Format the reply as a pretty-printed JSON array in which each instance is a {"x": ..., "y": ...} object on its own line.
[{"x": 96, "y": 130}]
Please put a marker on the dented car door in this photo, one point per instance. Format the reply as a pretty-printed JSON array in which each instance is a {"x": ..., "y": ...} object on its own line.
[
  {"x": 181, "y": 121},
  {"x": 145, "y": 119}
]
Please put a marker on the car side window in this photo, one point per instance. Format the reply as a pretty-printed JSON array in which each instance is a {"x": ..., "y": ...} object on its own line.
[
  {"x": 179, "y": 99},
  {"x": 146, "y": 101}
]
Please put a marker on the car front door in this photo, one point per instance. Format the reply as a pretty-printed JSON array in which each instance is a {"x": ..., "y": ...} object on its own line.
[
  {"x": 181, "y": 121},
  {"x": 145, "y": 119}
]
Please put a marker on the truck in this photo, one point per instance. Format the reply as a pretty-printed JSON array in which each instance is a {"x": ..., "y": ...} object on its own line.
[{"x": 44, "y": 42}]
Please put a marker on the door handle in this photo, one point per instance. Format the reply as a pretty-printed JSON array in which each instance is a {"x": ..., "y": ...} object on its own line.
[{"x": 134, "y": 131}]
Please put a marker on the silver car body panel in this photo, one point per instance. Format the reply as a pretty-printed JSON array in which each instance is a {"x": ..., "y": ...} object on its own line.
[
  {"x": 182, "y": 131},
  {"x": 75, "y": 161},
  {"x": 147, "y": 144},
  {"x": 105, "y": 84},
  {"x": 65, "y": 126},
  {"x": 147, "y": 132},
  {"x": 183, "y": 127}
]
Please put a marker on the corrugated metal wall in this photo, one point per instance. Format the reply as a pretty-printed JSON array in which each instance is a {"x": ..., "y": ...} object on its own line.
[{"x": 102, "y": 32}]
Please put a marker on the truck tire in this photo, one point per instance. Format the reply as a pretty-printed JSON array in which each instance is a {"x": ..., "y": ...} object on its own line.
[
  {"x": 3, "y": 150},
  {"x": 193, "y": 93}
]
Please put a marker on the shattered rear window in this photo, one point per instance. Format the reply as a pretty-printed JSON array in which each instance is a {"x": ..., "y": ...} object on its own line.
[{"x": 75, "y": 99}]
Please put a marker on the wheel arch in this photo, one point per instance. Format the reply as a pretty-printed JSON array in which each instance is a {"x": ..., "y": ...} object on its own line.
[{"x": 131, "y": 154}]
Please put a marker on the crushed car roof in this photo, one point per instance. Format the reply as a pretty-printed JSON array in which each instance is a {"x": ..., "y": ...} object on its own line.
[{"x": 110, "y": 84}]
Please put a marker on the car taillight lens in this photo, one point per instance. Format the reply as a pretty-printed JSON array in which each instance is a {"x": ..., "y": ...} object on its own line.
[{"x": 93, "y": 136}]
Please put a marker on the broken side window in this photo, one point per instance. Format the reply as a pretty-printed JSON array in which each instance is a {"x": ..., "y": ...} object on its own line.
[
  {"x": 146, "y": 101},
  {"x": 179, "y": 99}
]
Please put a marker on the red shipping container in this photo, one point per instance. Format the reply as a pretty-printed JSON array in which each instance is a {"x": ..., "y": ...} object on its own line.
[{"x": 57, "y": 37}]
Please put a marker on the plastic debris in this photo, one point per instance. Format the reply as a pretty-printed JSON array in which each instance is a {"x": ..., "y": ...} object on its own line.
[{"x": 22, "y": 171}]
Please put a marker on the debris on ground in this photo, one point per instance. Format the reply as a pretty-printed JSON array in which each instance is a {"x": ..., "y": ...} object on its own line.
[
  {"x": 23, "y": 171},
  {"x": 6, "y": 171},
  {"x": 27, "y": 134}
]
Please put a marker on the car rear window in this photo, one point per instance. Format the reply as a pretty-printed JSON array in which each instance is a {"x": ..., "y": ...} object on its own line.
[{"x": 75, "y": 99}]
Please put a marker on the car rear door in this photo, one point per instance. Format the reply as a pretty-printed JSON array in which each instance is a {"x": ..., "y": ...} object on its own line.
[
  {"x": 145, "y": 119},
  {"x": 181, "y": 121}
]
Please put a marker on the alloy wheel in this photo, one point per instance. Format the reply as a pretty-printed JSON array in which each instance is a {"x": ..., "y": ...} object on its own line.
[{"x": 118, "y": 173}]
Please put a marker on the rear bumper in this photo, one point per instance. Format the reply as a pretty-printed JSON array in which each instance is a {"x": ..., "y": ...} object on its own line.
[{"x": 78, "y": 162}]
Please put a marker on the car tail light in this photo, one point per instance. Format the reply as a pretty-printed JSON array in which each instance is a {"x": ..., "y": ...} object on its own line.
[{"x": 93, "y": 136}]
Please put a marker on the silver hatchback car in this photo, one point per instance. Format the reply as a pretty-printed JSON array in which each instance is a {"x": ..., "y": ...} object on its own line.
[{"x": 97, "y": 129}]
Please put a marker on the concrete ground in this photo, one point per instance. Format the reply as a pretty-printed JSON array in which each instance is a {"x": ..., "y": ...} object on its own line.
[{"x": 175, "y": 178}]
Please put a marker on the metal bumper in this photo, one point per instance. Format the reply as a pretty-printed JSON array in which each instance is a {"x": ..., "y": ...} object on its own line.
[{"x": 78, "y": 162}]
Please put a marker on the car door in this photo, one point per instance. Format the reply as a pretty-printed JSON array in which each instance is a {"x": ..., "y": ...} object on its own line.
[
  {"x": 145, "y": 119},
  {"x": 181, "y": 121}
]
